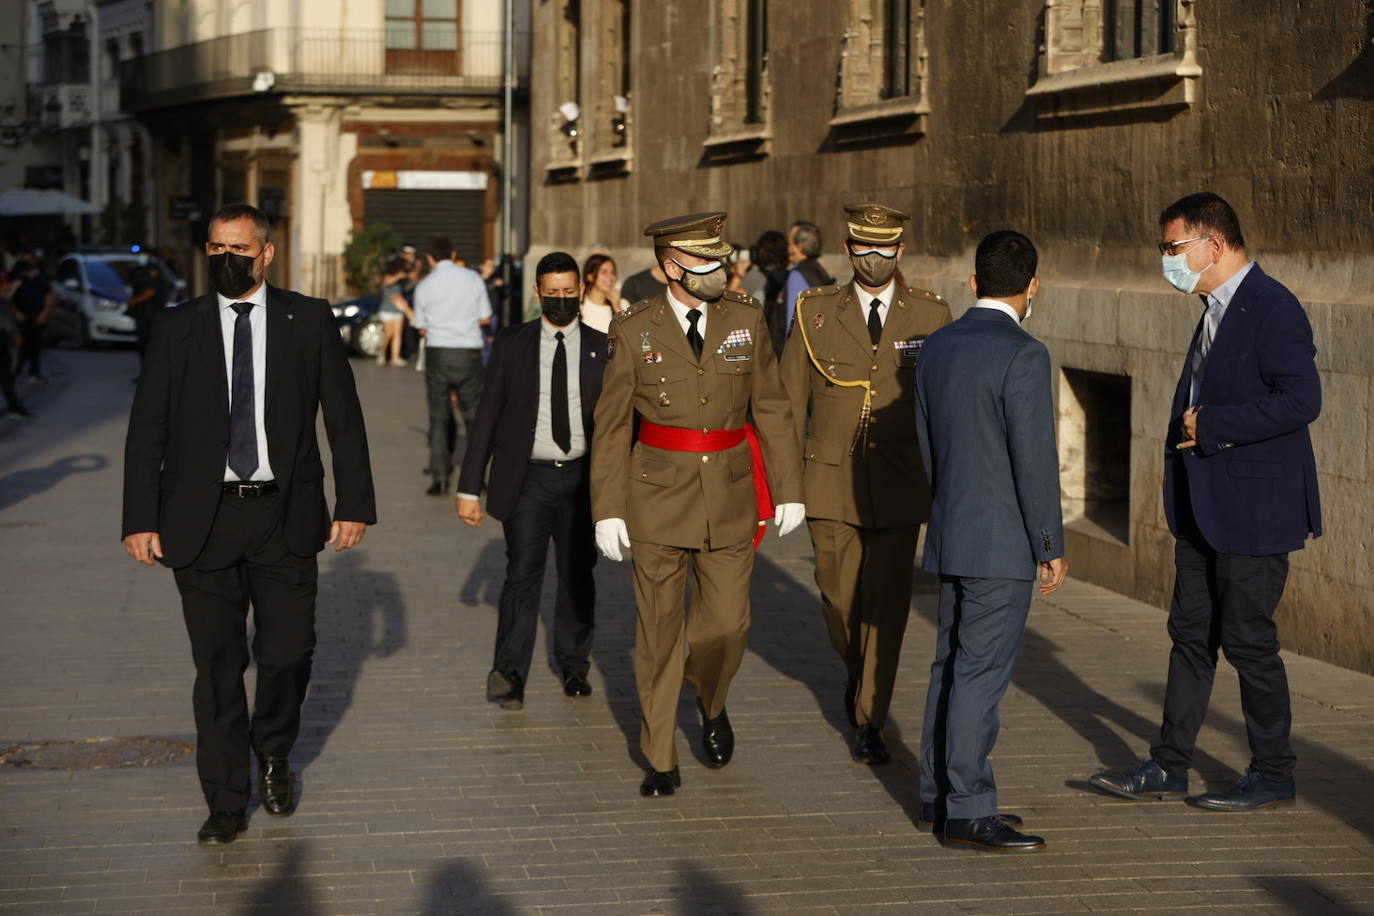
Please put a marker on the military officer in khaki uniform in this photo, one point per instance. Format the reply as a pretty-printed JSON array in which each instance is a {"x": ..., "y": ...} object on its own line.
[
  {"x": 850, "y": 359},
  {"x": 687, "y": 495}
]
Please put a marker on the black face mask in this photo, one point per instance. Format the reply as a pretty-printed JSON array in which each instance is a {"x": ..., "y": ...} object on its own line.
[
  {"x": 560, "y": 310},
  {"x": 232, "y": 274}
]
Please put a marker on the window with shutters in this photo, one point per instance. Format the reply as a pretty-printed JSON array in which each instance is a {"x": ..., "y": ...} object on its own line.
[
  {"x": 422, "y": 36},
  {"x": 882, "y": 84},
  {"x": 740, "y": 90},
  {"x": 1104, "y": 57}
]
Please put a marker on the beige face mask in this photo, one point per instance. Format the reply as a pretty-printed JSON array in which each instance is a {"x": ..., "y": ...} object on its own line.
[
  {"x": 706, "y": 282},
  {"x": 874, "y": 266}
]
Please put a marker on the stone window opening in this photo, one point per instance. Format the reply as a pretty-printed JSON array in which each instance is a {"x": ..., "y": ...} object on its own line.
[
  {"x": 565, "y": 121},
  {"x": 1109, "y": 57},
  {"x": 610, "y": 119},
  {"x": 1094, "y": 420},
  {"x": 741, "y": 93},
  {"x": 881, "y": 89}
]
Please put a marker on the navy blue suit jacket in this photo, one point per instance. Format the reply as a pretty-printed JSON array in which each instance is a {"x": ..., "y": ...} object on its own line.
[
  {"x": 503, "y": 429},
  {"x": 985, "y": 420},
  {"x": 1251, "y": 481}
]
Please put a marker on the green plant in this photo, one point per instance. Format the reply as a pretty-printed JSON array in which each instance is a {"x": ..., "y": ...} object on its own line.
[{"x": 366, "y": 252}]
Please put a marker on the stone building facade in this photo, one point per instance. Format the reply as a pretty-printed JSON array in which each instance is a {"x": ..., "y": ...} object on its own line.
[{"x": 1074, "y": 121}]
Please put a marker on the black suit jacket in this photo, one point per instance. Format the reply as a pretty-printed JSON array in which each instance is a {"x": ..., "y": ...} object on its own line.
[
  {"x": 503, "y": 432},
  {"x": 178, "y": 439}
]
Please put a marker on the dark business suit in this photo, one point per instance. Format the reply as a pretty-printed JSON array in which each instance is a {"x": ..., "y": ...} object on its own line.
[
  {"x": 985, "y": 421},
  {"x": 536, "y": 501},
  {"x": 229, "y": 552},
  {"x": 1238, "y": 502}
]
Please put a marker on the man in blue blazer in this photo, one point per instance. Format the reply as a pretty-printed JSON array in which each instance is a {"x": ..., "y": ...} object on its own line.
[
  {"x": 1240, "y": 493},
  {"x": 985, "y": 419},
  {"x": 534, "y": 427}
]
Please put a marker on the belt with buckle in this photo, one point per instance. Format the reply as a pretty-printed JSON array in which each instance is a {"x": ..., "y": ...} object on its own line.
[
  {"x": 248, "y": 489},
  {"x": 555, "y": 462}
]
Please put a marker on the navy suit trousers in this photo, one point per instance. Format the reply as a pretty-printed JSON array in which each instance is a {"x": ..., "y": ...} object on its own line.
[{"x": 980, "y": 626}]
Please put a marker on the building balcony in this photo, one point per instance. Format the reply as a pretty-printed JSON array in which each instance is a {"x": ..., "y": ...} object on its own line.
[{"x": 315, "y": 61}]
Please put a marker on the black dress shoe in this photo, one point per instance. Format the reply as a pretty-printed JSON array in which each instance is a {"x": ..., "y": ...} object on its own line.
[
  {"x": 276, "y": 786},
  {"x": 436, "y": 489},
  {"x": 990, "y": 834},
  {"x": 717, "y": 738},
  {"x": 1252, "y": 792},
  {"x": 221, "y": 827},
  {"x": 507, "y": 688},
  {"x": 657, "y": 782},
  {"x": 869, "y": 746},
  {"x": 575, "y": 685},
  {"x": 1146, "y": 780},
  {"x": 930, "y": 820},
  {"x": 851, "y": 689}
]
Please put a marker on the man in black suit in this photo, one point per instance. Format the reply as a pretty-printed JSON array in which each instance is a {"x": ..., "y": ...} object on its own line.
[
  {"x": 534, "y": 425},
  {"x": 223, "y": 483},
  {"x": 985, "y": 420}
]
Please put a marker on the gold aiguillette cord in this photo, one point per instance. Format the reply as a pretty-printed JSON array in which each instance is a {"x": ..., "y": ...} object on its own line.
[{"x": 860, "y": 432}]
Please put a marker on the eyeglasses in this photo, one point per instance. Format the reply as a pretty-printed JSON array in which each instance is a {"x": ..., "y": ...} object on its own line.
[{"x": 1171, "y": 248}]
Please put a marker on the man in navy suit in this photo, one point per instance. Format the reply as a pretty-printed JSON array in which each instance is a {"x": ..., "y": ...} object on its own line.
[
  {"x": 1240, "y": 493},
  {"x": 534, "y": 426},
  {"x": 985, "y": 420}
]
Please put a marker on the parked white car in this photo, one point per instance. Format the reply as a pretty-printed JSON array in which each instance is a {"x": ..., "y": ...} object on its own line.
[{"x": 92, "y": 290}]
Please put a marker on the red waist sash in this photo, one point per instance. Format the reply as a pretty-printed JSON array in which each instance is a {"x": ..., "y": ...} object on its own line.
[{"x": 676, "y": 439}]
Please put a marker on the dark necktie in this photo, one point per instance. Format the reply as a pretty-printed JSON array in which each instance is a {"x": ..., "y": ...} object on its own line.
[
  {"x": 558, "y": 397},
  {"x": 875, "y": 323},
  {"x": 693, "y": 335},
  {"x": 243, "y": 430}
]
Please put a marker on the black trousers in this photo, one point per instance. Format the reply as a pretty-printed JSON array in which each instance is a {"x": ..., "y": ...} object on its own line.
[
  {"x": 1226, "y": 601},
  {"x": 7, "y": 372},
  {"x": 553, "y": 503},
  {"x": 33, "y": 334},
  {"x": 457, "y": 370},
  {"x": 246, "y": 562}
]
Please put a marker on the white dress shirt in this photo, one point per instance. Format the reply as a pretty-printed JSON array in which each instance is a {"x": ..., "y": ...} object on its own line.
[
  {"x": 998, "y": 305},
  {"x": 450, "y": 303},
  {"x": 257, "y": 320},
  {"x": 680, "y": 309},
  {"x": 544, "y": 446},
  {"x": 884, "y": 296}
]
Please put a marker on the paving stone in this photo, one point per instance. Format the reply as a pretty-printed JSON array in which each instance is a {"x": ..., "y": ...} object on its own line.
[{"x": 419, "y": 796}]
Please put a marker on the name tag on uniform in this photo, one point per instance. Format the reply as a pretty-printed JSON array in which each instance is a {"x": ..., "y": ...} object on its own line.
[
  {"x": 735, "y": 357},
  {"x": 908, "y": 350}
]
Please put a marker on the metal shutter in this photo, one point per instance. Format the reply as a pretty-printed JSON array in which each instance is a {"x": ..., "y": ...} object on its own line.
[{"x": 421, "y": 215}]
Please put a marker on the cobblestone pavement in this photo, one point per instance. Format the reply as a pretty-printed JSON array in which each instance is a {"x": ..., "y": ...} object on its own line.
[{"x": 419, "y": 796}]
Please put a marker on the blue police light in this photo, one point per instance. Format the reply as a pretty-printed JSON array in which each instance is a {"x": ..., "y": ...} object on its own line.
[{"x": 136, "y": 249}]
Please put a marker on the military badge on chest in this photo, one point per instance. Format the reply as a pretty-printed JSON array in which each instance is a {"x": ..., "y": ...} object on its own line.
[
  {"x": 734, "y": 341},
  {"x": 908, "y": 351}
]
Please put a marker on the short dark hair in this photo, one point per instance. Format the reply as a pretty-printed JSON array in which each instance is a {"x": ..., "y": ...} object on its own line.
[
  {"x": 1208, "y": 212},
  {"x": 555, "y": 262},
  {"x": 807, "y": 237},
  {"x": 770, "y": 250},
  {"x": 231, "y": 212},
  {"x": 1004, "y": 264},
  {"x": 440, "y": 248},
  {"x": 592, "y": 266}
]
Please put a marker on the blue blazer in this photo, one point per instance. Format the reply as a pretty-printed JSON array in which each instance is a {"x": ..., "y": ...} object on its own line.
[
  {"x": 985, "y": 420},
  {"x": 1251, "y": 481}
]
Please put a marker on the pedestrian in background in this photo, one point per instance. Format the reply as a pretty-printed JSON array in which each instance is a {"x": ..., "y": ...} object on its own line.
[
  {"x": 1240, "y": 494},
  {"x": 646, "y": 284},
  {"x": 738, "y": 263},
  {"x": 228, "y": 491},
  {"x": 453, "y": 314},
  {"x": 13, "y": 406},
  {"x": 601, "y": 297},
  {"x": 806, "y": 272},
  {"x": 534, "y": 427},
  {"x": 393, "y": 311},
  {"x": 986, "y": 427},
  {"x": 32, "y": 304},
  {"x": 148, "y": 295},
  {"x": 766, "y": 280}
]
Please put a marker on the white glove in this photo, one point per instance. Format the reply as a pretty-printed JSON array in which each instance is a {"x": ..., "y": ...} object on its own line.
[
  {"x": 611, "y": 536},
  {"x": 788, "y": 516}
]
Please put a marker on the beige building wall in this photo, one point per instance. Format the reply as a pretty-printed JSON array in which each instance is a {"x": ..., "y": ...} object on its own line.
[{"x": 1014, "y": 116}]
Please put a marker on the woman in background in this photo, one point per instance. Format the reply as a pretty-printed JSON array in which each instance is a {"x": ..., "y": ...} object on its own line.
[
  {"x": 394, "y": 310},
  {"x": 601, "y": 293}
]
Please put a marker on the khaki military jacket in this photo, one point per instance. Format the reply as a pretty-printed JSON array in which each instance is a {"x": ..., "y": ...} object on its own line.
[
  {"x": 881, "y": 484},
  {"x": 690, "y": 499}
]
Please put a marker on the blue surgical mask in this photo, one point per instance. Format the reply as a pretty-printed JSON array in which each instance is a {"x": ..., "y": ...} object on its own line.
[{"x": 1176, "y": 270}]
